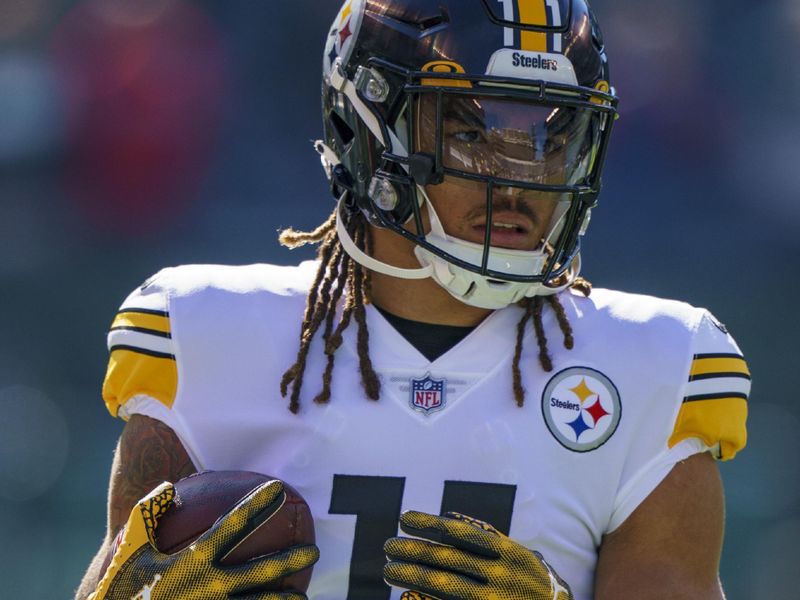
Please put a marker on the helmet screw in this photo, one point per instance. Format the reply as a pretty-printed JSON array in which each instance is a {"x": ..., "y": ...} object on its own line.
[
  {"x": 376, "y": 92},
  {"x": 383, "y": 194},
  {"x": 372, "y": 84}
]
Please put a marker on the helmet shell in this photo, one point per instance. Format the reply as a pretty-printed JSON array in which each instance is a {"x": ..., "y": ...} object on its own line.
[{"x": 415, "y": 34}]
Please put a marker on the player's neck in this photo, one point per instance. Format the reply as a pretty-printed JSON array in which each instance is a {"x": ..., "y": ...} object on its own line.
[{"x": 421, "y": 300}]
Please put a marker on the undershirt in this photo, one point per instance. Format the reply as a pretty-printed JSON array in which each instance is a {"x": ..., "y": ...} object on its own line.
[{"x": 430, "y": 339}]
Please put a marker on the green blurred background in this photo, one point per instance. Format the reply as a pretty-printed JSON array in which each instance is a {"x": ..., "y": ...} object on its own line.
[{"x": 137, "y": 134}]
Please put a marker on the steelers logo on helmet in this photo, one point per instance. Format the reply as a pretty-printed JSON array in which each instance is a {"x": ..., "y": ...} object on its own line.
[
  {"x": 342, "y": 33},
  {"x": 582, "y": 408}
]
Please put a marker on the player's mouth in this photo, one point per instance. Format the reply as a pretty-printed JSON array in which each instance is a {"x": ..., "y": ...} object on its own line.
[{"x": 509, "y": 230}]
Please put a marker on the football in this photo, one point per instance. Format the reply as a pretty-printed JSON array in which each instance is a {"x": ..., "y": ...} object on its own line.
[{"x": 202, "y": 498}]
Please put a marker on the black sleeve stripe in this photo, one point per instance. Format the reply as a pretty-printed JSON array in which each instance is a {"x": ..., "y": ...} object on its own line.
[
  {"x": 164, "y": 334},
  {"x": 718, "y": 355},
  {"x": 152, "y": 353},
  {"x": 718, "y": 375},
  {"x": 144, "y": 311},
  {"x": 719, "y": 396}
]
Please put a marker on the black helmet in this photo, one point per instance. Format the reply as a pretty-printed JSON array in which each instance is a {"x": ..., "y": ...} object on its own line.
[{"x": 530, "y": 77}]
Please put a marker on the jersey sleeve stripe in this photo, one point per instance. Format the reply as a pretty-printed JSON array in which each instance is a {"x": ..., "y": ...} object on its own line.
[
  {"x": 705, "y": 365},
  {"x": 139, "y": 340},
  {"x": 142, "y": 319},
  {"x": 736, "y": 386},
  {"x": 718, "y": 375},
  {"x": 146, "y": 311},
  {"x": 164, "y": 334},
  {"x": 143, "y": 351},
  {"x": 721, "y": 396},
  {"x": 703, "y": 355}
]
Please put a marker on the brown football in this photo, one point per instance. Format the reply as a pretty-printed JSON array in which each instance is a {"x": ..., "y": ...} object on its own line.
[{"x": 202, "y": 498}]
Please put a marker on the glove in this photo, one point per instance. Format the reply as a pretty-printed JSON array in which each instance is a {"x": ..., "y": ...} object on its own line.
[
  {"x": 138, "y": 571},
  {"x": 466, "y": 559}
]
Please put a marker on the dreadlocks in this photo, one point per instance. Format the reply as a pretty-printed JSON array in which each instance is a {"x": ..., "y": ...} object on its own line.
[{"x": 338, "y": 275}]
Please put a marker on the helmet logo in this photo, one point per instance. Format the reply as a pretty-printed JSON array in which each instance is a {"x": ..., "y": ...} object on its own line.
[
  {"x": 536, "y": 66},
  {"x": 445, "y": 66},
  {"x": 344, "y": 30}
]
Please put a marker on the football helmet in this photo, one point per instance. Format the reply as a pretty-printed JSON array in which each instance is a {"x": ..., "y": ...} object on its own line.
[{"x": 509, "y": 97}]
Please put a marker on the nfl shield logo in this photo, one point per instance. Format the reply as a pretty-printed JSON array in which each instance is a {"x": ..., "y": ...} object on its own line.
[{"x": 427, "y": 395}]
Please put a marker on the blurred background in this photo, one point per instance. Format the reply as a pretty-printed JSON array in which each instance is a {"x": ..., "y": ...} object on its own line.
[{"x": 141, "y": 134}]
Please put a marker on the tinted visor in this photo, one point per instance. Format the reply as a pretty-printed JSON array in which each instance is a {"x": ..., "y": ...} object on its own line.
[{"x": 509, "y": 139}]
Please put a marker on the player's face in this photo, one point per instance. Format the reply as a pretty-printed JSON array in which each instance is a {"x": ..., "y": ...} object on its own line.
[
  {"x": 504, "y": 140},
  {"x": 520, "y": 218}
]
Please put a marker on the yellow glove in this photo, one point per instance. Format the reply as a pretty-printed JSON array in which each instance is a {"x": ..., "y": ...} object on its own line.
[
  {"x": 466, "y": 559},
  {"x": 138, "y": 571}
]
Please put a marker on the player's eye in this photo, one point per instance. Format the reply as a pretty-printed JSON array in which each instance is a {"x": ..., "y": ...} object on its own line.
[{"x": 472, "y": 136}]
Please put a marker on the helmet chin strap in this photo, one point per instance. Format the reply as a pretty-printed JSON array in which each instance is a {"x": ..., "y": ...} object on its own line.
[
  {"x": 365, "y": 259},
  {"x": 466, "y": 286},
  {"x": 329, "y": 161},
  {"x": 478, "y": 290}
]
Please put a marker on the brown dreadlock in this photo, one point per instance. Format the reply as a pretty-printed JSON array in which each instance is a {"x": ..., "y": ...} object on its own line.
[{"x": 339, "y": 274}]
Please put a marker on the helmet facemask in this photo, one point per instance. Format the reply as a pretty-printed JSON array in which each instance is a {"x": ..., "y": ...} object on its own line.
[{"x": 496, "y": 135}]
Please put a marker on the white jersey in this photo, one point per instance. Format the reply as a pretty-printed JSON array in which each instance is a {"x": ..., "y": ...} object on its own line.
[{"x": 648, "y": 383}]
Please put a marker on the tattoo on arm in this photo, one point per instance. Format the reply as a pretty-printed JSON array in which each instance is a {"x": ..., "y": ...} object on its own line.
[{"x": 148, "y": 453}]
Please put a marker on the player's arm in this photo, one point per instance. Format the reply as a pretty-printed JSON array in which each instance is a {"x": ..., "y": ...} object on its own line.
[
  {"x": 148, "y": 453},
  {"x": 670, "y": 546},
  {"x": 141, "y": 364}
]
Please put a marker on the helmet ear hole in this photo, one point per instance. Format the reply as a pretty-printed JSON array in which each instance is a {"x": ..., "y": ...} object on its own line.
[{"x": 344, "y": 134}]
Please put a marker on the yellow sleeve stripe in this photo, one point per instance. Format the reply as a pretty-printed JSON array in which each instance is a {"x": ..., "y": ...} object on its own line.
[
  {"x": 707, "y": 366},
  {"x": 715, "y": 419},
  {"x": 148, "y": 321},
  {"x": 134, "y": 371}
]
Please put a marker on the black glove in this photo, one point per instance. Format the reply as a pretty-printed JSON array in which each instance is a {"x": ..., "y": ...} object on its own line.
[
  {"x": 138, "y": 571},
  {"x": 466, "y": 559}
]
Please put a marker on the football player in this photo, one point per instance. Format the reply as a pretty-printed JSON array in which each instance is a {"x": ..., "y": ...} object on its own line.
[{"x": 466, "y": 417}]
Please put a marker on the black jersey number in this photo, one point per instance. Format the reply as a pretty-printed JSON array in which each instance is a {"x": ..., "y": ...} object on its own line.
[{"x": 376, "y": 502}]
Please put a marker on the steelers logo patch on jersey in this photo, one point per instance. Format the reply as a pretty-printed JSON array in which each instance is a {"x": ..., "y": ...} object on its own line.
[{"x": 581, "y": 408}]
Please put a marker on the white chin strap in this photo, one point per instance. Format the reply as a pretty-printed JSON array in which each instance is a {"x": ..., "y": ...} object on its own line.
[
  {"x": 479, "y": 290},
  {"x": 464, "y": 285},
  {"x": 364, "y": 259}
]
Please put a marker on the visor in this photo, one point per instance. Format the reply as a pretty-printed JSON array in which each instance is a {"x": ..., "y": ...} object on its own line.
[{"x": 508, "y": 139}]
